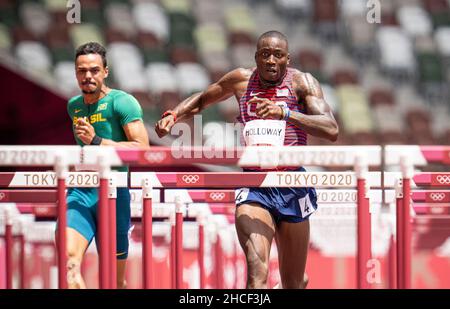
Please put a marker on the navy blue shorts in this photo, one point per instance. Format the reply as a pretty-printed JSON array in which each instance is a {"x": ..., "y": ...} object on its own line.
[
  {"x": 82, "y": 204},
  {"x": 284, "y": 204}
]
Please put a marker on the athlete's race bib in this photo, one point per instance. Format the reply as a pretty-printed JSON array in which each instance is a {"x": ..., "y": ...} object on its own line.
[{"x": 262, "y": 132}]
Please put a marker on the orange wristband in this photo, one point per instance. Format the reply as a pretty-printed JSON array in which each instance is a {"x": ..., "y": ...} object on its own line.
[{"x": 169, "y": 112}]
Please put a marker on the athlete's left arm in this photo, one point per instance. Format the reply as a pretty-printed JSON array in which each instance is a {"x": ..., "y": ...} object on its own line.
[
  {"x": 135, "y": 131},
  {"x": 136, "y": 134},
  {"x": 129, "y": 113},
  {"x": 318, "y": 119}
]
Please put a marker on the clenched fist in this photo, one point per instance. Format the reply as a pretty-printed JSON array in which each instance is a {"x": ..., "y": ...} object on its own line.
[
  {"x": 84, "y": 131},
  {"x": 266, "y": 109},
  {"x": 163, "y": 126}
]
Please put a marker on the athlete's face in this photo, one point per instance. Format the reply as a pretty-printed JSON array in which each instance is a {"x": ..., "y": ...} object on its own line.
[
  {"x": 272, "y": 58},
  {"x": 90, "y": 73}
]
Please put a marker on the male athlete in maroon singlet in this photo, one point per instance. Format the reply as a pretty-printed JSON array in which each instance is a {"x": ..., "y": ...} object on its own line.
[{"x": 278, "y": 106}]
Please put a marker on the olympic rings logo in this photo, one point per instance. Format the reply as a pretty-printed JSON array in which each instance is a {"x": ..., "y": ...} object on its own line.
[
  {"x": 443, "y": 179},
  {"x": 437, "y": 196},
  {"x": 155, "y": 156},
  {"x": 2, "y": 196},
  {"x": 190, "y": 178},
  {"x": 217, "y": 196}
]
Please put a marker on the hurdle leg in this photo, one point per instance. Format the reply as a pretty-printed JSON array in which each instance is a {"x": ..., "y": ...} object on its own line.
[
  {"x": 21, "y": 239},
  {"x": 218, "y": 254},
  {"x": 112, "y": 198},
  {"x": 363, "y": 224},
  {"x": 147, "y": 240},
  {"x": 407, "y": 250},
  {"x": 61, "y": 173},
  {"x": 392, "y": 263},
  {"x": 172, "y": 255},
  {"x": 9, "y": 247},
  {"x": 407, "y": 174},
  {"x": 178, "y": 244},
  {"x": 103, "y": 227},
  {"x": 201, "y": 253},
  {"x": 399, "y": 232}
]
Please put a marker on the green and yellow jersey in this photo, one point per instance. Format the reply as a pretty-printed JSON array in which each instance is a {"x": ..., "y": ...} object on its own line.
[{"x": 107, "y": 116}]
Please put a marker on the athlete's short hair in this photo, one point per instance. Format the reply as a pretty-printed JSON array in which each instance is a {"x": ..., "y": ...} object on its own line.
[
  {"x": 92, "y": 48},
  {"x": 273, "y": 34}
]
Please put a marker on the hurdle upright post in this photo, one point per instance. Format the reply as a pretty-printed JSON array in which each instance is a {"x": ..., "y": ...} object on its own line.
[
  {"x": 364, "y": 243},
  {"x": 178, "y": 243},
  {"x": 147, "y": 239},
  {"x": 399, "y": 232},
  {"x": 172, "y": 251},
  {"x": 9, "y": 246},
  {"x": 392, "y": 265},
  {"x": 102, "y": 219},
  {"x": 201, "y": 249},
  {"x": 407, "y": 175},
  {"x": 112, "y": 197},
  {"x": 218, "y": 258},
  {"x": 61, "y": 170},
  {"x": 21, "y": 237}
]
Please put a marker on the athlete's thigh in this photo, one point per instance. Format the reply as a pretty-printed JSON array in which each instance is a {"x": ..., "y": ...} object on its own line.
[
  {"x": 76, "y": 243},
  {"x": 81, "y": 223},
  {"x": 292, "y": 242},
  {"x": 255, "y": 228}
]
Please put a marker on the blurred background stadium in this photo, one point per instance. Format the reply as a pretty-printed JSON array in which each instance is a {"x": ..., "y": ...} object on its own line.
[{"x": 387, "y": 83}]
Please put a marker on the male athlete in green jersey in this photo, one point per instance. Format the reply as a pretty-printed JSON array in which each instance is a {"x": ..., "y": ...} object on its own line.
[{"x": 100, "y": 116}]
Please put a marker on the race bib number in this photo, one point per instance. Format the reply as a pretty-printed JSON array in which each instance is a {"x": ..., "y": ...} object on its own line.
[
  {"x": 306, "y": 206},
  {"x": 262, "y": 132},
  {"x": 241, "y": 195}
]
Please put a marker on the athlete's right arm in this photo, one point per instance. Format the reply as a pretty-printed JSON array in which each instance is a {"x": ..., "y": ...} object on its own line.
[{"x": 221, "y": 90}]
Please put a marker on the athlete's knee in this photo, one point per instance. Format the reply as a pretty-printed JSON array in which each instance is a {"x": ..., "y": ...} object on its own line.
[
  {"x": 257, "y": 261},
  {"x": 257, "y": 252},
  {"x": 258, "y": 269},
  {"x": 73, "y": 268},
  {"x": 73, "y": 264}
]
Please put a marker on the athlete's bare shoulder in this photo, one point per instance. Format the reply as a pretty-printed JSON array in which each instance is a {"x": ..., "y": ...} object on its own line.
[
  {"x": 235, "y": 80},
  {"x": 305, "y": 84},
  {"x": 298, "y": 76},
  {"x": 247, "y": 72},
  {"x": 238, "y": 75}
]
